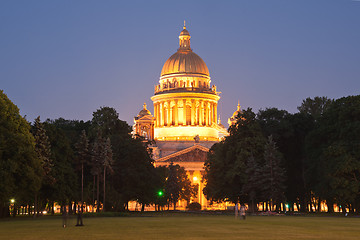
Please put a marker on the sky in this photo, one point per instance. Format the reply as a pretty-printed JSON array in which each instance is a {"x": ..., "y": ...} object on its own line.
[{"x": 69, "y": 58}]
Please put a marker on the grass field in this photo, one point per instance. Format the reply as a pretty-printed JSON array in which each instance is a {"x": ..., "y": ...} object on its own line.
[{"x": 183, "y": 226}]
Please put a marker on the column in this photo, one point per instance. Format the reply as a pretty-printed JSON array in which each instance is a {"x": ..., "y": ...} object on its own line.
[
  {"x": 215, "y": 112},
  {"x": 213, "y": 117},
  {"x": 152, "y": 131},
  {"x": 201, "y": 113},
  {"x": 192, "y": 112},
  {"x": 176, "y": 113},
  {"x": 171, "y": 114},
  {"x": 209, "y": 114},
  {"x": 155, "y": 114},
  {"x": 158, "y": 114},
  {"x": 161, "y": 113},
  {"x": 184, "y": 112},
  {"x": 168, "y": 115},
  {"x": 197, "y": 112},
  {"x": 206, "y": 113}
]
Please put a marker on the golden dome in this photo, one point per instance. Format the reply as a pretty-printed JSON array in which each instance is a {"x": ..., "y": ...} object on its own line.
[
  {"x": 184, "y": 60},
  {"x": 144, "y": 112},
  {"x": 184, "y": 32}
]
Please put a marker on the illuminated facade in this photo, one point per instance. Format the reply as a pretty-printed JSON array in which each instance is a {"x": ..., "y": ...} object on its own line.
[
  {"x": 184, "y": 125},
  {"x": 144, "y": 124},
  {"x": 185, "y": 104}
]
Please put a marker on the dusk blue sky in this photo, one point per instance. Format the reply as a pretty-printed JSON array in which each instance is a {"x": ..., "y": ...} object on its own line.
[{"x": 69, "y": 58}]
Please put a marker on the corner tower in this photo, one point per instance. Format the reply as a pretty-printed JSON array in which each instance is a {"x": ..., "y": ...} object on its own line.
[{"x": 185, "y": 104}]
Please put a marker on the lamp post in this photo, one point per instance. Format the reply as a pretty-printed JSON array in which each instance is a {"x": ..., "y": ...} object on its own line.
[{"x": 12, "y": 207}]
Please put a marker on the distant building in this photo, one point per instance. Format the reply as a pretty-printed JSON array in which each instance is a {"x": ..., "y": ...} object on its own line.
[{"x": 184, "y": 125}]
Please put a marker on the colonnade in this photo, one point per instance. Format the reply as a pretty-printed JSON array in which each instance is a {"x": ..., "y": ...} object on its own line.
[{"x": 185, "y": 112}]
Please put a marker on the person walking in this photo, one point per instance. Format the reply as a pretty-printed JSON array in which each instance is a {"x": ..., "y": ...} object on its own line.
[
  {"x": 236, "y": 210},
  {"x": 64, "y": 216},
  {"x": 243, "y": 212}
]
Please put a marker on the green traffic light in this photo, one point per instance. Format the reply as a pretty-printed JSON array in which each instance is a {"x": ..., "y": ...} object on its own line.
[{"x": 160, "y": 193}]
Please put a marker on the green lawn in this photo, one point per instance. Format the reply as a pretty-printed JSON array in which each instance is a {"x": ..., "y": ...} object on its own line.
[{"x": 183, "y": 226}]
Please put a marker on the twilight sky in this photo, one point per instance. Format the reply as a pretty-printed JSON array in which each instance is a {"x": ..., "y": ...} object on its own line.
[{"x": 69, "y": 58}]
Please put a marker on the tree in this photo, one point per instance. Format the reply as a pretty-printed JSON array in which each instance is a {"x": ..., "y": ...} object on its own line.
[
  {"x": 158, "y": 194},
  {"x": 20, "y": 169},
  {"x": 315, "y": 107},
  {"x": 273, "y": 175},
  {"x": 97, "y": 159},
  {"x": 289, "y": 132},
  {"x": 178, "y": 186},
  {"x": 43, "y": 151},
  {"x": 133, "y": 171},
  {"x": 65, "y": 189},
  {"x": 253, "y": 185},
  {"x": 216, "y": 189},
  {"x": 333, "y": 149},
  {"x": 72, "y": 131},
  {"x": 107, "y": 120},
  {"x": 226, "y": 167},
  {"x": 83, "y": 156},
  {"x": 107, "y": 163}
]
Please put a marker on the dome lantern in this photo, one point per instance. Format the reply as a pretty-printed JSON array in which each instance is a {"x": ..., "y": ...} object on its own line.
[
  {"x": 184, "y": 39},
  {"x": 184, "y": 61}
]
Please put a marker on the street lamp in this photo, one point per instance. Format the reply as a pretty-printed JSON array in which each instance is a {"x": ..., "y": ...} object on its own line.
[{"x": 12, "y": 206}]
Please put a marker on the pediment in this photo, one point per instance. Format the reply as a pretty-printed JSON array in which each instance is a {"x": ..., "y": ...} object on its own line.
[{"x": 195, "y": 153}]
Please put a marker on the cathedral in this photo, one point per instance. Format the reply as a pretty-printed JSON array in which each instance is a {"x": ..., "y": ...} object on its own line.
[{"x": 184, "y": 125}]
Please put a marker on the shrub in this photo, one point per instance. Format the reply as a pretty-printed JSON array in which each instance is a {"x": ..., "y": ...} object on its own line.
[{"x": 194, "y": 206}]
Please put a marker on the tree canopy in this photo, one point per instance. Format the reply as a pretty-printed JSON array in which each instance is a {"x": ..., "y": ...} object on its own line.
[
  {"x": 20, "y": 169},
  {"x": 272, "y": 157},
  {"x": 333, "y": 147}
]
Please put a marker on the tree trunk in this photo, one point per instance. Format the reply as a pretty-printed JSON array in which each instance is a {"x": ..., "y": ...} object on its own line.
[
  {"x": 82, "y": 187},
  {"x": 252, "y": 206},
  {"x": 330, "y": 206},
  {"x": 52, "y": 208},
  {"x": 93, "y": 193},
  {"x": 14, "y": 210},
  {"x": 319, "y": 205},
  {"x": 35, "y": 206},
  {"x": 104, "y": 190},
  {"x": 98, "y": 194}
]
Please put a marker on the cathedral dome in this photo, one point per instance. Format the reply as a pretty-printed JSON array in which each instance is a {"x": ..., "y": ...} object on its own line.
[{"x": 184, "y": 60}]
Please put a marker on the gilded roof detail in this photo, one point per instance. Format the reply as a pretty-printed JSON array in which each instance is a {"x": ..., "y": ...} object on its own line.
[{"x": 185, "y": 60}]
